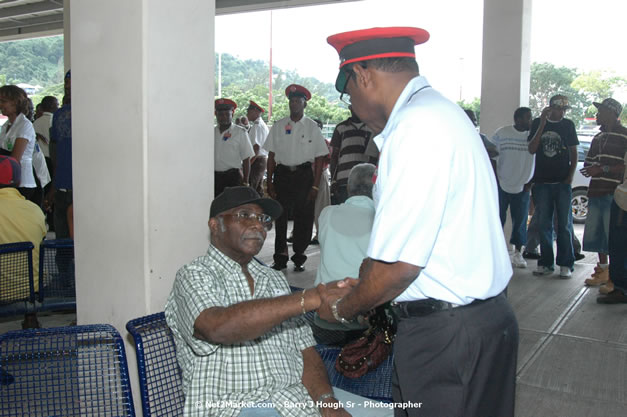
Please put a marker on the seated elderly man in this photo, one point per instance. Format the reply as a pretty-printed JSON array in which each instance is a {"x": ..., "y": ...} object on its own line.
[
  {"x": 240, "y": 342},
  {"x": 344, "y": 237}
]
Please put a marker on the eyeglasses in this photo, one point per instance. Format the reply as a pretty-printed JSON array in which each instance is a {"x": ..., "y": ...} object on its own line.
[
  {"x": 345, "y": 97},
  {"x": 249, "y": 217}
]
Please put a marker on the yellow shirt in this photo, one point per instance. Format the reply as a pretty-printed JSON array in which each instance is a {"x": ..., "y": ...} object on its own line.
[{"x": 21, "y": 221}]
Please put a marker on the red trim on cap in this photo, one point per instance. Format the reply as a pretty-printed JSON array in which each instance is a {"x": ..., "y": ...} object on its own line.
[
  {"x": 295, "y": 88},
  {"x": 386, "y": 55},
  {"x": 341, "y": 40},
  {"x": 252, "y": 103},
  {"x": 223, "y": 101}
]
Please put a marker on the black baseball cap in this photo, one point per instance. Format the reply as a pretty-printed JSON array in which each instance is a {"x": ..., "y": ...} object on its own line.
[{"x": 238, "y": 196}]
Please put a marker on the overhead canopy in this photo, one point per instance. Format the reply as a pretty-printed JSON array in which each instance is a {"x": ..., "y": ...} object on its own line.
[{"x": 23, "y": 19}]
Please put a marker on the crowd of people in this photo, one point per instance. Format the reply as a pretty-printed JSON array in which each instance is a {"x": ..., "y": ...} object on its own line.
[
  {"x": 389, "y": 220},
  {"x": 36, "y": 168}
]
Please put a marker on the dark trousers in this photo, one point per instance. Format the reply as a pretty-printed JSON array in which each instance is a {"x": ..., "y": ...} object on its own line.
[
  {"x": 292, "y": 188},
  {"x": 339, "y": 193},
  {"x": 62, "y": 200},
  {"x": 618, "y": 247},
  {"x": 223, "y": 179},
  {"x": 31, "y": 194},
  {"x": 459, "y": 362},
  {"x": 257, "y": 171}
]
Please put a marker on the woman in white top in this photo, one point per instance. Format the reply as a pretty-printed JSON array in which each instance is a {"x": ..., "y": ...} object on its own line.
[{"x": 17, "y": 136}]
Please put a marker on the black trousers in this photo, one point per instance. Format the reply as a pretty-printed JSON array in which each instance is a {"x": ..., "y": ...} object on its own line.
[
  {"x": 618, "y": 247},
  {"x": 459, "y": 362},
  {"x": 292, "y": 188},
  {"x": 223, "y": 179}
]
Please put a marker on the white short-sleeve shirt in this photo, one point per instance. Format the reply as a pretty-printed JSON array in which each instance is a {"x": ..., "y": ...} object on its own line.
[
  {"x": 295, "y": 143},
  {"x": 21, "y": 128},
  {"x": 42, "y": 127},
  {"x": 258, "y": 133},
  {"x": 514, "y": 163},
  {"x": 231, "y": 147},
  {"x": 436, "y": 201}
]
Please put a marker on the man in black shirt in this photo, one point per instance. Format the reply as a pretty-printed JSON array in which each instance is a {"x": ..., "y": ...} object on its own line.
[{"x": 553, "y": 139}]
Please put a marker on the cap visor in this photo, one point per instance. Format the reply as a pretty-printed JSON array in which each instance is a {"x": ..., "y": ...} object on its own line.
[{"x": 340, "y": 81}]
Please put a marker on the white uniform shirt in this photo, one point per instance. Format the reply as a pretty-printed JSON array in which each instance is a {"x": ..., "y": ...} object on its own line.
[
  {"x": 514, "y": 163},
  {"x": 231, "y": 147},
  {"x": 21, "y": 128},
  {"x": 295, "y": 143},
  {"x": 42, "y": 127},
  {"x": 258, "y": 134},
  {"x": 436, "y": 201}
]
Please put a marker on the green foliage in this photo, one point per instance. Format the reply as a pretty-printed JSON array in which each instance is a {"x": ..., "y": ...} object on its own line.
[
  {"x": 474, "y": 105},
  {"x": 244, "y": 80},
  {"x": 32, "y": 61},
  {"x": 597, "y": 86},
  {"x": 53, "y": 90}
]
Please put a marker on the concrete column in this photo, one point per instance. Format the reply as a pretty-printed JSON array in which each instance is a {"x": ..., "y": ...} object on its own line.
[
  {"x": 67, "y": 44},
  {"x": 142, "y": 104},
  {"x": 506, "y": 65}
]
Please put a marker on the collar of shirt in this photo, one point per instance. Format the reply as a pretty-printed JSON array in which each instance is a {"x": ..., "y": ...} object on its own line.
[
  {"x": 413, "y": 86},
  {"x": 230, "y": 265},
  {"x": 10, "y": 193},
  {"x": 360, "y": 201}
]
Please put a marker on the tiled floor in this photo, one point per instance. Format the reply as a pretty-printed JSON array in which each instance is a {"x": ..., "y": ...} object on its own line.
[{"x": 573, "y": 352}]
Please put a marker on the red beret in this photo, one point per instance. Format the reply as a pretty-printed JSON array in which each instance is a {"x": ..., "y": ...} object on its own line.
[
  {"x": 10, "y": 171},
  {"x": 225, "y": 104},
  {"x": 297, "y": 90},
  {"x": 365, "y": 44},
  {"x": 256, "y": 106}
]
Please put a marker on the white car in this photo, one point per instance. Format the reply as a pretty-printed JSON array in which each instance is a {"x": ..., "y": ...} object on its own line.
[{"x": 580, "y": 183}]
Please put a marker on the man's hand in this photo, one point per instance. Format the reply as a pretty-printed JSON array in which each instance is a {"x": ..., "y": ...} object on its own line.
[
  {"x": 545, "y": 113},
  {"x": 568, "y": 180},
  {"x": 330, "y": 293},
  {"x": 591, "y": 171},
  {"x": 313, "y": 193},
  {"x": 48, "y": 202},
  {"x": 271, "y": 191}
]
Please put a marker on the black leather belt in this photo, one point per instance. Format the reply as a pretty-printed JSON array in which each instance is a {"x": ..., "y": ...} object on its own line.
[
  {"x": 420, "y": 308},
  {"x": 295, "y": 167}
]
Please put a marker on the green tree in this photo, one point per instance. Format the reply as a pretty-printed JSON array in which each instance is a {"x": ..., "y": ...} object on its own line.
[{"x": 596, "y": 86}]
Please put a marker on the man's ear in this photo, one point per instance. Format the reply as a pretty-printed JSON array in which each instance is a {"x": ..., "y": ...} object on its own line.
[
  {"x": 305, "y": 105},
  {"x": 213, "y": 225},
  {"x": 363, "y": 76}
]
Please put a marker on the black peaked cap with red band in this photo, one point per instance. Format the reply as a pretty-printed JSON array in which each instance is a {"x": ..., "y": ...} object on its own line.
[
  {"x": 297, "y": 90},
  {"x": 255, "y": 106},
  {"x": 374, "y": 43},
  {"x": 225, "y": 104}
]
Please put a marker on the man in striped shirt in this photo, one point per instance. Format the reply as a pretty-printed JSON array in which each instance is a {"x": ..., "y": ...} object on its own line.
[
  {"x": 351, "y": 144},
  {"x": 604, "y": 165}
]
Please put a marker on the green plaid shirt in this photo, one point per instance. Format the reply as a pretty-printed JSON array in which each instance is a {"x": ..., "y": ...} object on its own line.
[{"x": 218, "y": 379}]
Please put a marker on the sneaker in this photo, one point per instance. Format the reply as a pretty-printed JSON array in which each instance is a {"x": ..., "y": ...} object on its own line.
[
  {"x": 599, "y": 276},
  {"x": 531, "y": 255},
  {"x": 614, "y": 297},
  {"x": 518, "y": 261},
  {"x": 565, "y": 272},
  {"x": 543, "y": 270},
  {"x": 607, "y": 288},
  {"x": 579, "y": 256}
]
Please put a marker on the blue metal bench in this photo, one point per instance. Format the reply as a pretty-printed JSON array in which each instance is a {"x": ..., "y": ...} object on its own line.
[
  {"x": 57, "y": 282},
  {"x": 64, "y": 371},
  {"x": 160, "y": 378},
  {"x": 17, "y": 291}
]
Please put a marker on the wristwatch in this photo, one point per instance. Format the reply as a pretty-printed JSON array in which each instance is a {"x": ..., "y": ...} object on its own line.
[
  {"x": 605, "y": 169},
  {"x": 335, "y": 313}
]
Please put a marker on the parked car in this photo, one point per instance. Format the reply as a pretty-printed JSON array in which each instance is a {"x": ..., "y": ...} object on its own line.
[{"x": 580, "y": 183}]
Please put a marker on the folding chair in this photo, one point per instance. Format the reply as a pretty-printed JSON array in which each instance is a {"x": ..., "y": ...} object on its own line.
[
  {"x": 376, "y": 384},
  {"x": 160, "y": 378},
  {"x": 17, "y": 289},
  {"x": 64, "y": 371},
  {"x": 57, "y": 282}
]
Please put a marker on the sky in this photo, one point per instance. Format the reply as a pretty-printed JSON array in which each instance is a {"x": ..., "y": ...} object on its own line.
[{"x": 583, "y": 34}]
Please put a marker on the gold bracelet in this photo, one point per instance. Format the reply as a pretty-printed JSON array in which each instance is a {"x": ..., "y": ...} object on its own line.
[
  {"x": 314, "y": 187},
  {"x": 302, "y": 301}
]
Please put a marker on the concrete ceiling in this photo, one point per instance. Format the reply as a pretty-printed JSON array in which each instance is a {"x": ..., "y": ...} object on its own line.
[{"x": 23, "y": 19}]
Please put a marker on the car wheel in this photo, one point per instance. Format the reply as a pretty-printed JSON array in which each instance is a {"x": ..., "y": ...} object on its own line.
[{"x": 580, "y": 206}]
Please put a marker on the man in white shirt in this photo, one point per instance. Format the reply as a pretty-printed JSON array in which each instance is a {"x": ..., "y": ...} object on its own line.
[
  {"x": 514, "y": 169},
  {"x": 232, "y": 149},
  {"x": 294, "y": 144},
  {"x": 258, "y": 133},
  {"x": 42, "y": 124},
  {"x": 436, "y": 247}
]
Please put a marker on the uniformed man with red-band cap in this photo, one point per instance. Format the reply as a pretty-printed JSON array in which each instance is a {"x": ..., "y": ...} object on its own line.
[
  {"x": 232, "y": 149},
  {"x": 294, "y": 145},
  {"x": 437, "y": 249},
  {"x": 258, "y": 133}
]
